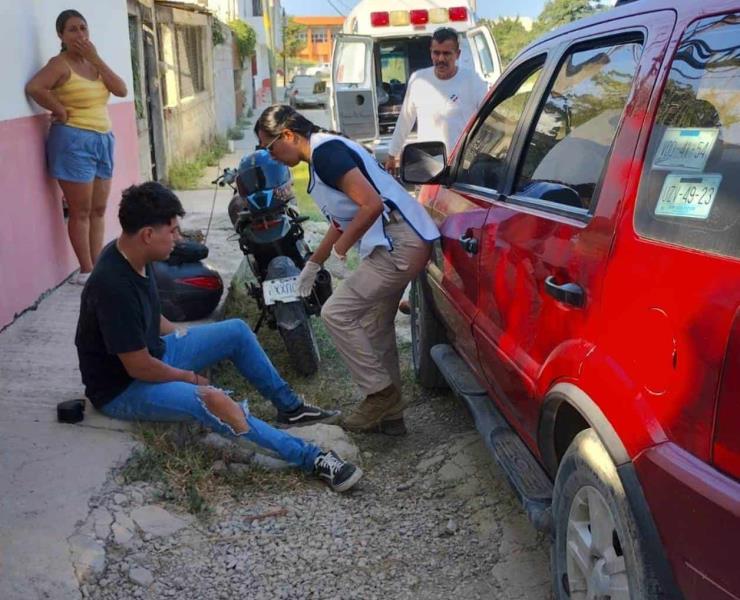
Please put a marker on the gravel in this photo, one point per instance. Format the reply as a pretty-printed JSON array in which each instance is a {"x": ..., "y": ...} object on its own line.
[{"x": 432, "y": 519}]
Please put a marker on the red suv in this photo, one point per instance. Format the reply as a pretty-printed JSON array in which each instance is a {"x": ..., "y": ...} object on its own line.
[{"x": 584, "y": 299}]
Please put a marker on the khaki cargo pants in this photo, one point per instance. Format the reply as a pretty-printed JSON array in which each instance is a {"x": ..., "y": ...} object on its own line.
[{"x": 360, "y": 314}]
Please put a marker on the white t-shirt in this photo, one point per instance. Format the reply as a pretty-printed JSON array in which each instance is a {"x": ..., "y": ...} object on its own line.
[{"x": 442, "y": 107}]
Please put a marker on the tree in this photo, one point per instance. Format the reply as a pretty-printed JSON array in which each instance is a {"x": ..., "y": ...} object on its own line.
[
  {"x": 561, "y": 12},
  {"x": 510, "y": 36},
  {"x": 293, "y": 42},
  {"x": 246, "y": 39}
]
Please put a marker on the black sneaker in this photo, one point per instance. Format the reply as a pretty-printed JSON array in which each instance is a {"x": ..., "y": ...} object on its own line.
[
  {"x": 307, "y": 415},
  {"x": 339, "y": 474}
]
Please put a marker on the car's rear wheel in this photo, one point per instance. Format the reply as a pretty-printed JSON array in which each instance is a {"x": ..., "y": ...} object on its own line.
[
  {"x": 426, "y": 332},
  {"x": 597, "y": 553}
]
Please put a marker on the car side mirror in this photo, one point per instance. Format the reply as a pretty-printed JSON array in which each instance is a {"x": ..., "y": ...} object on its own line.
[{"x": 423, "y": 162}]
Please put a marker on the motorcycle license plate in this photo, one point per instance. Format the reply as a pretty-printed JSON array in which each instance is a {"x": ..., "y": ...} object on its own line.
[{"x": 280, "y": 290}]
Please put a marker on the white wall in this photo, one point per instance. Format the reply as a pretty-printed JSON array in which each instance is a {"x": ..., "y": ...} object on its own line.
[
  {"x": 223, "y": 77},
  {"x": 32, "y": 21}
]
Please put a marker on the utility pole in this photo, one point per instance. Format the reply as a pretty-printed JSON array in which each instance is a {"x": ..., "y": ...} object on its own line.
[
  {"x": 285, "y": 61},
  {"x": 267, "y": 9}
]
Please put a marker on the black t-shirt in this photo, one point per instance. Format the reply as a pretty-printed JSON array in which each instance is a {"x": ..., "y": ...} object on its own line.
[{"x": 119, "y": 312}]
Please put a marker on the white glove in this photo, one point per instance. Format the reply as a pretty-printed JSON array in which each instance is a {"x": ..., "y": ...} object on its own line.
[{"x": 307, "y": 277}]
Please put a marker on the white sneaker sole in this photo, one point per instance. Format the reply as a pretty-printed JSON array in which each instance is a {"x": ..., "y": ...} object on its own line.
[{"x": 350, "y": 482}]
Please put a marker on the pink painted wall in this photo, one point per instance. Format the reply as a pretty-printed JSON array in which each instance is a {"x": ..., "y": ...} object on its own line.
[{"x": 35, "y": 253}]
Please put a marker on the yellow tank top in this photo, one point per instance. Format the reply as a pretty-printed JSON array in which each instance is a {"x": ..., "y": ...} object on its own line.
[{"x": 86, "y": 102}]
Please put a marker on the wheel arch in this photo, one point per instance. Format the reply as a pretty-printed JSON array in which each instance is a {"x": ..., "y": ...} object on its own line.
[{"x": 567, "y": 410}]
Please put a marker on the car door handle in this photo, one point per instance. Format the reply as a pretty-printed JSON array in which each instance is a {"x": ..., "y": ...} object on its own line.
[
  {"x": 469, "y": 243},
  {"x": 567, "y": 293}
]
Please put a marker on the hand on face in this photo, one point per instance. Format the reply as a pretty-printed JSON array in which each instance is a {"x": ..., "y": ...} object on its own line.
[{"x": 85, "y": 48}]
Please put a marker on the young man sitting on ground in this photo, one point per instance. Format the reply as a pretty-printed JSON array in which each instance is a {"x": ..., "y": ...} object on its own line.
[{"x": 136, "y": 366}]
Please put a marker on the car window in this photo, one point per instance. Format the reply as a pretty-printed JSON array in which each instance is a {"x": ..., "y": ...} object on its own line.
[
  {"x": 569, "y": 144},
  {"x": 689, "y": 191},
  {"x": 483, "y": 162},
  {"x": 484, "y": 52}
]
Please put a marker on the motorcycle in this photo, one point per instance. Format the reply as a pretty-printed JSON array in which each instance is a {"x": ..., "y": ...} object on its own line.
[
  {"x": 188, "y": 289},
  {"x": 264, "y": 215}
]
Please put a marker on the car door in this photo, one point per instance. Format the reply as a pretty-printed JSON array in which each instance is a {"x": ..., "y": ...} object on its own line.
[
  {"x": 353, "y": 94},
  {"x": 485, "y": 54},
  {"x": 460, "y": 208},
  {"x": 546, "y": 241}
]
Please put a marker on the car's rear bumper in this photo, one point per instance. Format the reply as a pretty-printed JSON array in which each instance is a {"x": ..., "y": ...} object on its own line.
[{"x": 697, "y": 512}]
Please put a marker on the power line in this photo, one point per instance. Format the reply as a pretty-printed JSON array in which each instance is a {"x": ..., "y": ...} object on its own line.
[{"x": 335, "y": 8}]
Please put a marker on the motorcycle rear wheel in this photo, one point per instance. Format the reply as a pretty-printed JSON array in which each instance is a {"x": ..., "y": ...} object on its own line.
[{"x": 301, "y": 345}]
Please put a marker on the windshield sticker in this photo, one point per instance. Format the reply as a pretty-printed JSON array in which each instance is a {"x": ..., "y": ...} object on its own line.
[
  {"x": 688, "y": 196},
  {"x": 685, "y": 148}
]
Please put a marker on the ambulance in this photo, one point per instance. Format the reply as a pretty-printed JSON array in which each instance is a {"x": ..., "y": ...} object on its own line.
[{"x": 382, "y": 43}]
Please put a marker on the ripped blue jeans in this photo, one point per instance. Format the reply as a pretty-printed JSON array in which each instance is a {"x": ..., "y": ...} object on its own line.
[{"x": 201, "y": 347}]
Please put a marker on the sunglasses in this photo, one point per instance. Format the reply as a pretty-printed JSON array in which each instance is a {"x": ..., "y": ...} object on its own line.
[{"x": 269, "y": 145}]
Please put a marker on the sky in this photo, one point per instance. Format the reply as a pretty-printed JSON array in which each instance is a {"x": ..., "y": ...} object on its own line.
[{"x": 486, "y": 8}]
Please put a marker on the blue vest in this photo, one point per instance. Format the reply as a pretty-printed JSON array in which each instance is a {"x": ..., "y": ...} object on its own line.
[{"x": 339, "y": 209}]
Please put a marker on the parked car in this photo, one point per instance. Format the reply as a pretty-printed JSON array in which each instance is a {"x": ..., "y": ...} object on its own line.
[
  {"x": 584, "y": 299},
  {"x": 307, "y": 90}
]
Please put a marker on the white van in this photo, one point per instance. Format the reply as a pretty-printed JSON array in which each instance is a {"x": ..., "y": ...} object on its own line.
[{"x": 381, "y": 44}]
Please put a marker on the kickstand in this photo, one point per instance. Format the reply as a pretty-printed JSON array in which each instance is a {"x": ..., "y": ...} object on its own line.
[{"x": 259, "y": 323}]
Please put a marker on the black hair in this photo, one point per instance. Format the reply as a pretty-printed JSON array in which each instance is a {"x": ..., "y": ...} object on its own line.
[
  {"x": 277, "y": 118},
  {"x": 446, "y": 34},
  {"x": 149, "y": 204},
  {"x": 65, "y": 16}
]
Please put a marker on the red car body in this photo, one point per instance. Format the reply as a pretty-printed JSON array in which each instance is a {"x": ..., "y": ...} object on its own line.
[{"x": 649, "y": 354}]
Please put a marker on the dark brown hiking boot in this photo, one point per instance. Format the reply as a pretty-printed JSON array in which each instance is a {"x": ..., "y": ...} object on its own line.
[{"x": 369, "y": 413}]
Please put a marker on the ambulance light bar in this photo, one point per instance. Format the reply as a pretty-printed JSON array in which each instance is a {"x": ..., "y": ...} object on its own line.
[{"x": 418, "y": 17}]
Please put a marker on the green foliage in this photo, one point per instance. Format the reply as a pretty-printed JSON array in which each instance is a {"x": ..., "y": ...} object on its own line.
[
  {"x": 217, "y": 33},
  {"x": 246, "y": 39},
  {"x": 235, "y": 133},
  {"x": 292, "y": 44},
  {"x": 184, "y": 175},
  {"x": 561, "y": 12},
  {"x": 511, "y": 37}
]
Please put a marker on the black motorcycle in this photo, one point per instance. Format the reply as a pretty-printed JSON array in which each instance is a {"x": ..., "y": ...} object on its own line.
[{"x": 271, "y": 238}]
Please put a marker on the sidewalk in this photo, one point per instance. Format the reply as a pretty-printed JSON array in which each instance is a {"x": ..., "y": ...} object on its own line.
[{"x": 49, "y": 471}]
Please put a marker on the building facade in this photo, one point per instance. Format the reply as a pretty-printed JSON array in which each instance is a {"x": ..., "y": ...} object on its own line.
[
  {"x": 319, "y": 37},
  {"x": 35, "y": 254}
]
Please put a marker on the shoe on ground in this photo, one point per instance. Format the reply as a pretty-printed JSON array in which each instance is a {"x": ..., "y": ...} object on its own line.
[
  {"x": 375, "y": 408},
  {"x": 80, "y": 279},
  {"x": 404, "y": 307},
  {"x": 338, "y": 474},
  {"x": 307, "y": 415}
]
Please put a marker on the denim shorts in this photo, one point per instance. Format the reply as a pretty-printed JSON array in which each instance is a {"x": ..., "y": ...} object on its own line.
[{"x": 79, "y": 155}]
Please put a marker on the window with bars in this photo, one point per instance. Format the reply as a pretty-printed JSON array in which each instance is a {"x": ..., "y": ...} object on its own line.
[
  {"x": 318, "y": 36},
  {"x": 190, "y": 48}
]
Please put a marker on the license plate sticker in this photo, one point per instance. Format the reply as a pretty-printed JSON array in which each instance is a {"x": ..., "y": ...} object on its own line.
[
  {"x": 688, "y": 196},
  {"x": 685, "y": 148},
  {"x": 280, "y": 290}
]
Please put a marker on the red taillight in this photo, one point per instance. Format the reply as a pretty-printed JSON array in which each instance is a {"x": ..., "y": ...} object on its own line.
[
  {"x": 458, "y": 13},
  {"x": 208, "y": 283},
  {"x": 726, "y": 450},
  {"x": 419, "y": 17},
  {"x": 380, "y": 19}
]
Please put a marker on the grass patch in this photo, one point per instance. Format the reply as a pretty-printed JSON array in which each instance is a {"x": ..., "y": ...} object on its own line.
[
  {"x": 306, "y": 205},
  {"x": 172, "y": 457},
  {"x": 184, "y": 175}
]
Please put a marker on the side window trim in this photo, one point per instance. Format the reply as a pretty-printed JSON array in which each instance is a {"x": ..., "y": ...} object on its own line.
[
  {"x": 625, "y": 35},
  {"x": 541, "y": 55}
]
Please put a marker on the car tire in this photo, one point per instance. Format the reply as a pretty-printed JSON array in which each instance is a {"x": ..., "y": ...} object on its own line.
[
  {"x": 597, "y": 550},
  {"x": 426, "y": 332}
]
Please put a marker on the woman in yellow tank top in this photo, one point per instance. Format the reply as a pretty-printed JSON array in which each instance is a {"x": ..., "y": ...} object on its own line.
[{"x": 75, "y": 86}]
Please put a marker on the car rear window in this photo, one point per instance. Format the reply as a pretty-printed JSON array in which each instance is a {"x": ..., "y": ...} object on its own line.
[{"x": 690, "y": 188}]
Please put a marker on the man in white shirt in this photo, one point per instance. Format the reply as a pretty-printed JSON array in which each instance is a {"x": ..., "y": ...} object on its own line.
[{"x": 441, "y": 98}]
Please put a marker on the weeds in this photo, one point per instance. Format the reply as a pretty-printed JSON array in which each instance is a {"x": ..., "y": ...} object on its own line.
[
  {"x": 184, "y": 175},
  {"x": 235, "y": 133}
]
